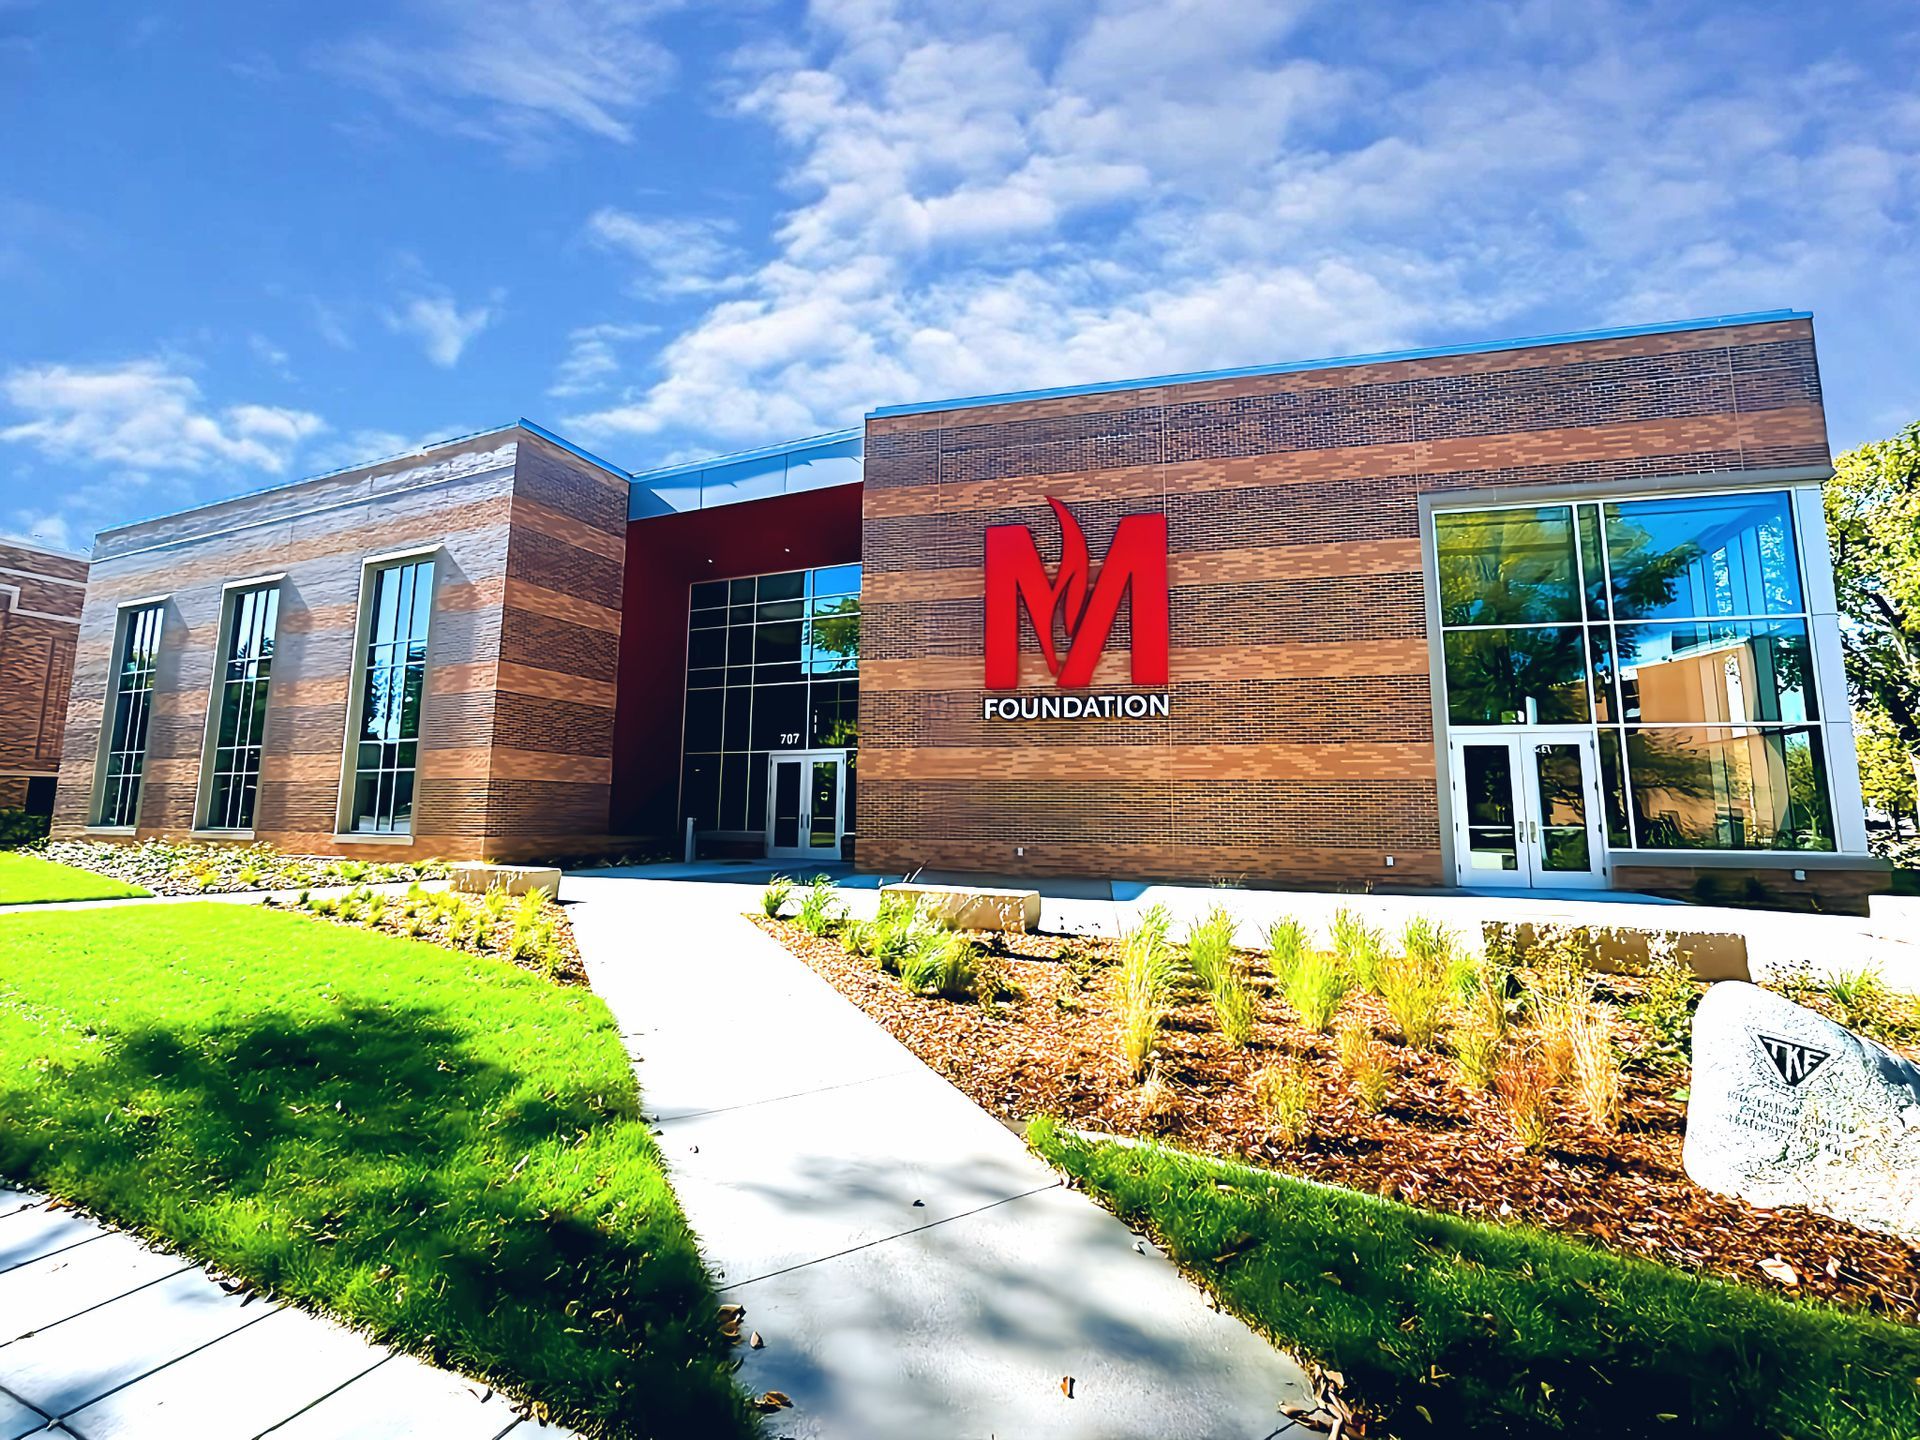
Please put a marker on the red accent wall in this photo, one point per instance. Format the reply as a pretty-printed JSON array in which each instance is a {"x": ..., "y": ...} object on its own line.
[{"x": 665, "y": 555}]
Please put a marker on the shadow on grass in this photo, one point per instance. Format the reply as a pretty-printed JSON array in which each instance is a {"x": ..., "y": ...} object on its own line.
[
  {"x": 366, "y": 1160},
  {"x": 1450, "y": 1326}
]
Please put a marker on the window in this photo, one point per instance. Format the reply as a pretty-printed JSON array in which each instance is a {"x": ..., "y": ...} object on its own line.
[
  {"x": 772, "y": 665},
  {"x": 1677, "y": 628},
  {"x": 393, "y": 679},
  {"x": 240, "y": 707},
  {"x": 129, "y": 713}
]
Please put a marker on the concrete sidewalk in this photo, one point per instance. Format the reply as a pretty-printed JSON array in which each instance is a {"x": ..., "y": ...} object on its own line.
[
  {"x": 103, "y": 1336},
  {"x": 912, "y": 1269}
]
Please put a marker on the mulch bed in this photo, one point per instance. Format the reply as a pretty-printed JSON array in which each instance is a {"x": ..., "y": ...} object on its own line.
[
  {"x": 1436, "y": 1143},
  {"x": 570, "y": 969}
]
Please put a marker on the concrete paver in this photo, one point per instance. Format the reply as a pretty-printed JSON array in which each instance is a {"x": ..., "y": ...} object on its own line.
[
  {"x": 120, "y": 1339},
  {"x": 17, "y": 1419},
  {"x": 957, "y": 1317},
  {"x": 70, "y": 1282},
  {"x": 32, "y": 1233},
  {"x": 234, "y": 1390},
  {"x": 405, "y": 1399}
]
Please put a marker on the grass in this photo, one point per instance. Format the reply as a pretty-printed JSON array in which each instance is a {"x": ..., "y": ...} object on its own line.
[
  {"x": 29, "y": 880},
  {"x": 440, "y": 1147},
  {"x": 1315, "y": 986},
  {"x": 1448, "y": 1325}
]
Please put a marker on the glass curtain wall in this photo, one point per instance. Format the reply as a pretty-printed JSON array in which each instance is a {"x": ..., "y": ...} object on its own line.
[
  {"x": 387, "y": 751},
  {"x": 131, "y": 709},
  {"x": 1675, "y": 627},
  {"x": 772, "y": 665},
  {"x": 242, "y": 707}
]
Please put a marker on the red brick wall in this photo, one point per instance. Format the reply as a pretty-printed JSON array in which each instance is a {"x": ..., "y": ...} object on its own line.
[
  {"x": 521, "y": 646},
  {"x": 41, "y": 594},
  {"x": 1300, "y": 744}
]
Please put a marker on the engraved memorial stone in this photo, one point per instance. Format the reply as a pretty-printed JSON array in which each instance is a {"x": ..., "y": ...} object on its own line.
[{"x": 1789, "y": 1108}]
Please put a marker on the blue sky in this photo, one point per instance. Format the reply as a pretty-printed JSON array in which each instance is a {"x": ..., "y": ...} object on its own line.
[{"x": 242, "y": 242}]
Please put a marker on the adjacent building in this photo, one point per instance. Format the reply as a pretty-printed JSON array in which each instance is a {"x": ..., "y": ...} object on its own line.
[
  {"x": 1550, "y": 614},
  {"x": 41, "y": 592}
]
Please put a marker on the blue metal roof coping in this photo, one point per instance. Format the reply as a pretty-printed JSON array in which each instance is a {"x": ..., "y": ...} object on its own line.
[
  {"x": 764, "y": 452},
  {"x": 1105, "y": 387}
]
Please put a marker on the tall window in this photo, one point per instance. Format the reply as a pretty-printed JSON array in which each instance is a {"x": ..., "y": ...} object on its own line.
[
  {"x": 241, "y": 707},
  {"x": 386, "y": 750},
  {"x": 1677, "y": 629},
  {"x": 129, "y": 712},
  {"x": 772, "y": 664}
]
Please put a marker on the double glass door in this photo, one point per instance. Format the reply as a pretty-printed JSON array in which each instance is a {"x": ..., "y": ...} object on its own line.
[
  {"x": 806, "y": 804},
  {"x": 1526, "y": 810}
]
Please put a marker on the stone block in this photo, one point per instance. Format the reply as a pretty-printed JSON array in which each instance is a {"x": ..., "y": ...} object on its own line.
[
  {"x": 475, "y": 878},
  {"x": 1789, "y": 1108},
  {"x": 975, "y": 907}
]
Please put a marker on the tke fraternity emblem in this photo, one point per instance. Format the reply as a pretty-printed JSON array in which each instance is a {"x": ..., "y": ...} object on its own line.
[{"x": 1794, "y": 1062}]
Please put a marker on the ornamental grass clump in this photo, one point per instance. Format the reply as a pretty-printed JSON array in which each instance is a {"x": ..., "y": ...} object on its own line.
[
  {"x": 1317, "y": 986},
  {"x": 820, "y": 909},
  {"x": 1287, "y": 942},
  {"x": 1233, "y": 1008},
  {"x": 1210, "y": 948},
  {"x": 939, "y": 962},
  {"x": 1481, "y": 1036},
  {"x": 1364, "y": 1061},
  {"x": 1596, "y": 1066},
  {"x": 774, "y": 898},
  {"x": 1358, "y": 946},
  {"x": 1525, "y": 1084},
  {"x": 1417, "y": 995},
  {"x": 1284, "y": 1091},
  {"x": 1144, "y": 990}
]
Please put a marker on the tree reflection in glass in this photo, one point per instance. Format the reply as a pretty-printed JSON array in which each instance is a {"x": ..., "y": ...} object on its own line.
[
  {"x": 1517, "y": 677},
  {"x": 1507, "y": 567}
]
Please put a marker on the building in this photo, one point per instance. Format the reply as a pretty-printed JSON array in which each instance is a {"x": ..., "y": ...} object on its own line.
[
  {"x": 41, "y": 592},
  {"x": 1548, "y": 613}
]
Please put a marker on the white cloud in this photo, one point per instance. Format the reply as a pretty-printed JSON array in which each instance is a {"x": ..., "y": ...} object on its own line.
[
  {"x": 994, "y": 195},
  {"x": 593, "y": 358},
  {"x": 44, "y": 528},
  {"x": 443, "y": 329},
  {"x": 677, "y": 256},
  {"x": 514, "y": 74},
  {"x": 146, "y": 414}
]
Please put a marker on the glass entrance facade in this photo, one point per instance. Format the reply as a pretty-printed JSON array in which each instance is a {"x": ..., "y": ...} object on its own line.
[
  {"x": 1676, "y": 630},
  {"x": 772, "y": 666}
]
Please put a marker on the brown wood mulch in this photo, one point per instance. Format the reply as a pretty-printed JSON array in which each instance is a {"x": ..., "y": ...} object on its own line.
[{"x": 1436, "y": 1144}]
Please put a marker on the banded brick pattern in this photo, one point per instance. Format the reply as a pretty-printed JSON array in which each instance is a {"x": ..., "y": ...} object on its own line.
[
  {"x": 41, "y": 595},
  {"x": 1301, "y": 742},
  {"x": 516, "y": 725}
]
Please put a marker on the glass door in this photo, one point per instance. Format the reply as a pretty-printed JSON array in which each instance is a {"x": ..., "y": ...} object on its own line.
[
  {"x": 1564, "y": 845},
  {"x": 1489, "y": 830},
  {"x": 1526, "y": 810},
  {"x": 806, "y": 805}
]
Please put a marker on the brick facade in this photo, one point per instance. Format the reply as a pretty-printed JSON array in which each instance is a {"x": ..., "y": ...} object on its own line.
[
  {"x": 1300, "y": 746},
  {"x": 41, "y": 594},
  {"x": 515, "y": 753}
]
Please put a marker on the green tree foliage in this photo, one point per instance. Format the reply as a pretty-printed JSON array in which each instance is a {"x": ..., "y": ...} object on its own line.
[{"x": 1873, "y": 517}]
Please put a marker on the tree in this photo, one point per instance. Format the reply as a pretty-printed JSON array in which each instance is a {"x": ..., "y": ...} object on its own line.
[
  {"x": 1873, "y": 519},
  {"x": 1887, "y": 781}
]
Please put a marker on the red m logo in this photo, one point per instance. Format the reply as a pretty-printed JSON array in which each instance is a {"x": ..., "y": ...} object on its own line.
[{"x": 1136, "y": 565}]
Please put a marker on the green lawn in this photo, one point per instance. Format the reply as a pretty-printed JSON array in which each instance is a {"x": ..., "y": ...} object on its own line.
[
  {"x": 29, "y": 880},
  {"x": 443, "y": 1148},
  {"x": 1453, "y": 1327}
]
